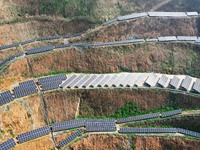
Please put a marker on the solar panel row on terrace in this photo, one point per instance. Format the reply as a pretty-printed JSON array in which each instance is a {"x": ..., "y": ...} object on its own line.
[
  {"x": 70, "y": 138},
  {"x": 167, "y": 14},
  {"x": 187, "y": 83},
  {"x": 39, "y": 50},
  {"x": 148, "y": 130},
  {"x": 171, "y": 113},
  {"x": 196, "y": 86},
  {"x": 7, "y": 144},
  {"x": 68, "y": 125},
  {"x": 188, "y": 132},
  {"x": 132, "y": 16},
  {"x": 33, "y": 134},
  {"x": 100, "y": 125},
  {"x": 140, "y": 117},
  {"x": 5, "y": 97}
]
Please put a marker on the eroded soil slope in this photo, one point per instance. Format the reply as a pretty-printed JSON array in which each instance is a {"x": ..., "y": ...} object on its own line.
[
  {"x": 21, "y": 116},
  {"x": 105, "y": 142}
]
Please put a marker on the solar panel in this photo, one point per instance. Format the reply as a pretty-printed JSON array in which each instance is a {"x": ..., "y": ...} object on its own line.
[
  {"x": 103, "y": 82},
  {"x": 28, "y": 41},
  {"x": 24, "y": 91},
  {"x": 7, "y": 60},
  {"x": 131, "y": 16},
  {"x": 175, "y": 82},
  {"x": 39, "y": 50},
  {"x": 48, "y": 79},
  {"x": 141, "y": 80},
  {"x": 140, "y": 117},
  {"x": 50, "y": 85},
  {"x": 97, "y": 80},
  {"x": 68, "y": 125},
  {"x": 119, "y": 80},
  {"x": 72, "y": 84},
  {"x": 186, "y": 38},
  {"x": 109, "y": 22},
  {"x": 27, "y": 83},
  {"x": 152, "y": 40},
  {"x": 68, "y": 81},
  {"x": 33, "y": 134},
  {"x": 171, "y": 113},
  {"x": 167, "y": 39},
  {"x": 48, "y": 38},
  {"x": 187, "y": 83},
  {"x": 152, "y": 80},
  {"x": 77, "y": 34},
  {"x": 81, "y": 82},
  {"x": 167, "y": 14},
  {"x": 188, "y": 132},
  {"x": 164, "y": 81},
  {"x": 100, "y": 125},
  {"x": 63, "y": 46},
  {"x": 196, "y": 86},
  {"x": 9, "y": 46},
  {"x": 126, "y": 80},
  {"x": 192, "y": 13},
  {"x": 111, "y": 80},
  {"x": 86, "y": 84},
  {"x": 70, "y": 138},
  {"x": 132, "y": 81},
  {"x": 5, "y": 97},
  {"x": 7, "y": 144},
  {"x": 148, "y": 130}
]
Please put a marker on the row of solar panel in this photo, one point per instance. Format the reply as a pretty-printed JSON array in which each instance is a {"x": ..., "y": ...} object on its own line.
[
  {"x": 39, "y": 39},
  {"x": 52, "y": 82},
  {"x": 25, "y": 88},
  {"x": 46, "y": 130},
  {"x": 159, "y": 130},
  {"x": 152, "y": 14},
  {"x": 70, "y": 138},
  {"x": 131, "y": 80},
  {"x": 10, "y": 58},
  {"x": 150, "y": 116}
]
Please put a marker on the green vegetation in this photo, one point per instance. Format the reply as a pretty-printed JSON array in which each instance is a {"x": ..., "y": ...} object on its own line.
[
  {"x": 11, "y": 132},
  {"x": 131, "y": 109},
  {"x": 67, "y": 8}
]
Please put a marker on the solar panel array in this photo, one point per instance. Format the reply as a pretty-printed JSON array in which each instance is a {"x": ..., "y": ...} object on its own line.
[
  {"x": 68, "y": 125},
  {"x": 187, "y": 83},
  {"x": 188, "y": 132},
  {"x": 40, "y": 50},
  {"x": 7, "y": 60},
  {"x": 100, "y": 125},
  {"x": 167, "y": 39},
  {"x": 164, "y": 81},
  {"x": 49, "y": 38},
  {"x": 70, "y": 79},
  {"x": 51, "y": 82},
  {"x": 7, "y": 144},
  {"x": 196, "y": 86},
  {"x": 152, "y": 80},
  {"x": 132, "y": 16},
  {"x": 9, "y": 46},
  {"x": 33, "y": 134},
  {"x": 28, "y": 41},
  {"x": 171, "y": 113},
  {"x": 140, "y": 117},
  {"x": 5, "y": 97},
  {"x": 175, "y": 82},
  {"x": 109, "y": 22},
  {"x": 25, "y": 88},
  {"x": 167, "y": 14},
  {"x": 70, "y": 138},
  {"x": 186, "y": 38},
  {"x": 148, "y": 130}
]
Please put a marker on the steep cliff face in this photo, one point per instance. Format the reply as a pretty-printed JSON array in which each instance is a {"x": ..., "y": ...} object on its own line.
[{"x": 105, "y": 142}]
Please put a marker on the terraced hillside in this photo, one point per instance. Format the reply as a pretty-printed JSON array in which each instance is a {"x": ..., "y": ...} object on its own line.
[{"x": 72, "y": 82}]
